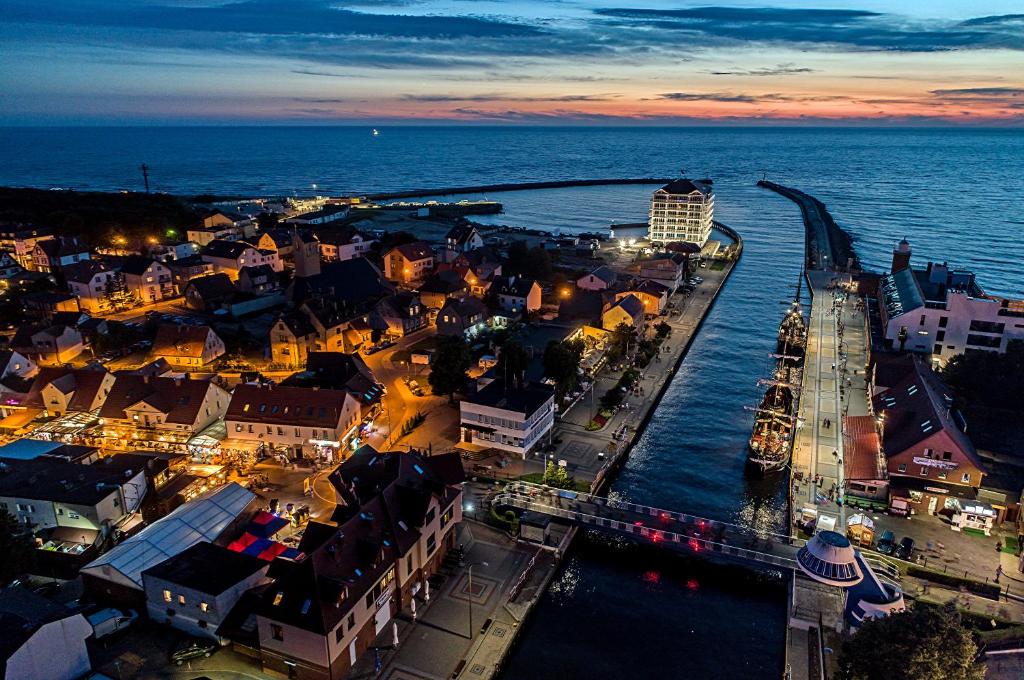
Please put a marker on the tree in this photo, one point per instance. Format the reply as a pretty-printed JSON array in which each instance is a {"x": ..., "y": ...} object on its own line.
[
  {"x": 525, "y": 261},
  {"x": 662, "y": 330},
  {"x": 512, "y": 363},
  {"x": 448, "y": 369},
  {"x": 988, "y": 380},
  {"x": 16, "y": 547},
  {"x": 923, "y": 643},
  {"x": 623, "y": 338},
  {"x": 117, "y": 294},
  {"x": 267, "y": 221},
  {"x": 562, "y": 363},
  {"x": 557, "y": 476}
]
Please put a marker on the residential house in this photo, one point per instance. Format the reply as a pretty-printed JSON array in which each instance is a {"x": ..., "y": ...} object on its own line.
[
  {"x": 399, "y": 315},
  {"x": 390, "y": 533},
  {"x": 278, "y": 239},
  {"x": 465, "y": 317},
  {"x": 60, "y": 391},
  {"x": 653, "y": 296},
  {"x": 48, "y": 493},
  {"x": 258, "y": 280},
  {"x": 508, "y": 417},
  {"x": 53, "y": 345},
  {"x": 43, "y": 640},
  {"x": 479, "y": 268},
  {"x": 942, "y": 311},
  {"x": 52, "y": 255},
  {"x": 338, "y": 245},
  {"x": 175, "y": 409},
  {"x": 602, "y": 278},
  {"x": 169, "y": 250},
  {"x": 463, "y": 238},
  {"x": 339, "y": 328},
  {"x": 20, "y": 241},
  {"x": 195, "y": 590},
  {"x": 148, "y": 279},
  {"x": 209, "y": 293},
  {"x": 291, "y": 337},
  {"x": 46, "y": 304},
  {"x": 91, "y": 282},
  {"x": 186, "y": 269},
  {"x": 409, "y": 264},
  {"x": 221, "y": 225},
  {"x": 340, "y": 371},
  {"x": 15, "y": 364},
  {"x": 441, "y": 286},
  {"x": 627, "y": 310},
  {"x": 304, "y": 422},
  {"x": 518, "y": 295},
  {"x": 357, "y": 282},
  {"x": 189, "y": 347},
  {"x": 9, "y": 266},
  {"x": 228, "y": 257},
  {"x": 668, "y": 270},
  {"x": 930, "y": 460}
]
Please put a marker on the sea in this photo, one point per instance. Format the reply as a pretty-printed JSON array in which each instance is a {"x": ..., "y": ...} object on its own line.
[{"x": 614, "y": 610}]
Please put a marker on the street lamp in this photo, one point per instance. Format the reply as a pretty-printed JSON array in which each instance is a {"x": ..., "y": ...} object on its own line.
[{"x": 475, "y": 564}]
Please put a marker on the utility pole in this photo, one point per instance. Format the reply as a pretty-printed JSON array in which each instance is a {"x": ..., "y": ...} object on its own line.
[{"x": 145, "y": 175}]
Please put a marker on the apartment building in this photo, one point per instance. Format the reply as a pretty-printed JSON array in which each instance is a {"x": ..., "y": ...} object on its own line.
[
  {"x": 682, "y": 210},
  {"x": 508, "y": 417}
]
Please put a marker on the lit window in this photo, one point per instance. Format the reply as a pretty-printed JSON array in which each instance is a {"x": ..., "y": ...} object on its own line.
[
  {"x": 277, "y": 598},
  {"x": 181, "y": 599},
  {"x": 167, "y": 596},
  {"x": 204, "y": 607}
]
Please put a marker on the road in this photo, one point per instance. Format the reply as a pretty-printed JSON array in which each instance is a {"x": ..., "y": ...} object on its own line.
[{"x": 167, "y": 306}]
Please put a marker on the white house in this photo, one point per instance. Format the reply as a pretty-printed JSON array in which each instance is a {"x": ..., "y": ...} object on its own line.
[
  {"x": 229, "y": 257},
  {"x": 519, "y": 295},
  {"x": 514, "y": 419},
  {"x": 90, "y": 282},
  {"x": 148, "y": 279},
  {"x": 602, "y": 278},
  {"x": 42, "y": 640},
  {"x": 682, "y": 211}
]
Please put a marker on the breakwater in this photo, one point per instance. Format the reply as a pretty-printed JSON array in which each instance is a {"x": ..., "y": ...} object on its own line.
[{"x": 826, "y": 243}]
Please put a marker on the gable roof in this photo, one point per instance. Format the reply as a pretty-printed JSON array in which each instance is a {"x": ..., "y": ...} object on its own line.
[
  {"x": 517, "y": 286},
  {"x": 136, "y": 265},
  {"x": 85, "y": 271},
  {"x": 22, "y": 613},
  {"x": 179, "y": 398},
  {"x": 339, "y": 371},
  {"x": 605, "y": 273},
  {"x": 181, "y": 341},
  {"x": 464, "y": 308},
  {"x": 293, "y": 406},
  {"x": 357, "y": 281},
  {"x": 212, "y": 286},
  {"x": 84, "y": 382},
  {"x": 443, "y": 282},
  {"x": 230, "y": 250},
  {"x": 630, "y": 304},
  {"x": 418, "y": 250}
]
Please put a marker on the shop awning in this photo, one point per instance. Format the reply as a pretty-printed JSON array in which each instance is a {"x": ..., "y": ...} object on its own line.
[{"x": 265, "y": 524}]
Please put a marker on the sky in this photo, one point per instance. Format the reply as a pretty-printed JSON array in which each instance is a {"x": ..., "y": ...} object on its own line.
[{"x": 597, "y": 62}]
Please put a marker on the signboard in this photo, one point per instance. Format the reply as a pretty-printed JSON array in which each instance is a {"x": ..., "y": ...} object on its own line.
[{"x": 940, "y": 464}]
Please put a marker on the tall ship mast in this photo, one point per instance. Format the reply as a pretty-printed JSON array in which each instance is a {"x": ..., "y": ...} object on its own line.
[{"x": 771, "y": 440}]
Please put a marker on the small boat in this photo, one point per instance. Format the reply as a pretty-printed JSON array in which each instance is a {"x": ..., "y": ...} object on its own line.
[{"x": 375, "y": 132}]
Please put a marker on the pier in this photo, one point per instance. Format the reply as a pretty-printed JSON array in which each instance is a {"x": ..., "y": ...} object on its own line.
[{"x": 513, "y": 186}]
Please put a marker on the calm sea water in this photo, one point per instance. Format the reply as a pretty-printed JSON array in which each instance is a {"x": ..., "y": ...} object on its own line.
[{"x": 615, "y": 611}]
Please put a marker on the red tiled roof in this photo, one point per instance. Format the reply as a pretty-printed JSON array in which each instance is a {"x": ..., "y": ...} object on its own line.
[
  {"x": 295, "y": 406},
  {"x": 860, "y": 448}
]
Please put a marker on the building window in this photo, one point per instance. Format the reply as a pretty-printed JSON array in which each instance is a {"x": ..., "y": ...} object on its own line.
[
  {"x": 351, "y": 620},
  {"x": 942, "y": 475},
  {"x": 924, "y": 471},
  {"x": 204, "y": 607},
  {"x": 167, "y": 596},
  {"x": 431, "y": 544},
  {"x": 408, "y": 565},
  {"x": 431, "y": 514},
  {"x": 447, "y": 516},
  {"x": 966, "y": 479},
  {"x": 276, "y": 632},
  {"x": 902, "y": 467},
  {"x": 181, "y": 599},
  {"x": 943, "y": 320}
]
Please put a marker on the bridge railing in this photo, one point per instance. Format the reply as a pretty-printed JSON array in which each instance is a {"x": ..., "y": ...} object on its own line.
[{"x": 656, "y": 536}]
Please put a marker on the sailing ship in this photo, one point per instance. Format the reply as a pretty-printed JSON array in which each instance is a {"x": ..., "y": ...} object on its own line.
[{"x": 775, "y": 418}]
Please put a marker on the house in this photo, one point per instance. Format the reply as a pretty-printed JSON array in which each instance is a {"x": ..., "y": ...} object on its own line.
[
  {"x": 48, "y": 493},
  {"x": 190, "y": 347},
  {"x": 441, "y": 286},
  {"x": 518, "y": 295},
  {"x": 930, "y": 460},
  {"x": 9, "y": 266},
  {"x": 215, "y": 516},
  {"x": 148, "y": 279},
  {"x": 682, "y": 210},
  {"x": 59, "y": 391},
  {"x": 169, "y": 250},
  {"x": 409, "y": 263},
  {"x": 258, "y": 280},
  {"x": 399, "y": 315},
  {"x": 45, "y": 304},
  {"x": 221, "y": 225},
  {"x": 340, "y": 371},
  {"x": 42, "y": 640},
  {"x": 338, "y": 245},
  {"x": 186, "y": 269},
  {"x": 464, "y": 317},
  {"x": 15, "y": 364},
  {"x": 195, "y": 590},
  {"x": 325, "y": 215},
  {"x": 20, "y": 241},
  {"x": 463, "y": 238},
  {"x": 357, "y": 282},
  {"x": 653, "y": 296},
  {"x": 147, "y": 407},
  {"x": 667, "y": 269},
  {"x": 942, "y": 311},
  {"x": 91, "y": 282},
  {"x": 52, "y": 255},
  {"x": 278, "y": 239},
  {"x": 209, "y": 293},
  {"x": 507, "y": 417},
  {"x": 627, "y": 310},
  {"x": 479, "y": 268},
  {"x": 291, "y": 337},
  {"x": 228, "y": 257},
  {"x": 303, "y": 422},
  {"x": 49, "y": 345},
  {"x": 227, "y": 218},
  {"x": 602, "y": 278},
  {"x": 392, "y": 529}
]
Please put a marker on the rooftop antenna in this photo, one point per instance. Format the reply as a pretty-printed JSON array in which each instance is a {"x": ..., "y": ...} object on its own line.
[{"x": 145, "y": 175}]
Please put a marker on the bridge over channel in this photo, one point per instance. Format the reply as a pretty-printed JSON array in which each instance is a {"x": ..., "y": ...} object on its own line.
[{"x": 669, "y": 529}]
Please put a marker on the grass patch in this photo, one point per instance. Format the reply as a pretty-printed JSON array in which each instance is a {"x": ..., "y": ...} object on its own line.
[
  {"x": 717, "y": 265},
  {"x": 977, "y": 533},
  {"x": 1010, "y": 545}
]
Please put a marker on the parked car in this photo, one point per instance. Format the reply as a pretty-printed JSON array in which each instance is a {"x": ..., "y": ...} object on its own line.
[
  {"x": 886, "y": 543},
  {"x": 109, "y": 621},
  {"x": 193, "y": 648},
  {"x": 905, "y": 548}
]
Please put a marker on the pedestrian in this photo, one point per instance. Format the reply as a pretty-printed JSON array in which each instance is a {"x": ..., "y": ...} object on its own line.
[
  {"x": 835, "y": 454},
  {"x": 999, "y": 546},
  {"x": 999, "y": 572}
]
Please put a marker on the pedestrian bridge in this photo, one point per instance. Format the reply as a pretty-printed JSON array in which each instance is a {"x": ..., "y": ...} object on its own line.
[{"x": 668, "y": 528}]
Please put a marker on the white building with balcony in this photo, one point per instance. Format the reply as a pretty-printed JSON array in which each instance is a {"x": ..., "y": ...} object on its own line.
[
  {"x": 682, "y": 211},
  {"x": 514, "y": 419}
]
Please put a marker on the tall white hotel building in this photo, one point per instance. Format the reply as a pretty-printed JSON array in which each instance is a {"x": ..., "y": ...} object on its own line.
[{"x": 682, "y": 210}]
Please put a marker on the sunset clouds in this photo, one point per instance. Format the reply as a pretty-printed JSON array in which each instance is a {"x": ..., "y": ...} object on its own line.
[{"x": 182, "y": 61}]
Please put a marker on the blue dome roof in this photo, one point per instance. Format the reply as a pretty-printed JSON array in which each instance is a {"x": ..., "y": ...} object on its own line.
[{"x": 829, "y": 558}]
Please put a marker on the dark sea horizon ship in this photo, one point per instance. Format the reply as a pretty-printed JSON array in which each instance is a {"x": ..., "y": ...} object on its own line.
[{"x": 772, "y": 437}]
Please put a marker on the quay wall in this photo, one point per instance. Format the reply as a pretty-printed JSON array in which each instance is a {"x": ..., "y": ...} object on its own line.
[
  {"x": 513, "y": 186},
  {"x": 817, "y": 217}
]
